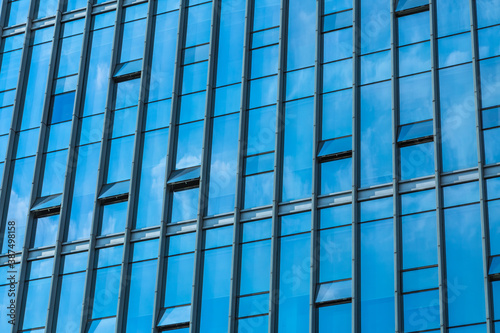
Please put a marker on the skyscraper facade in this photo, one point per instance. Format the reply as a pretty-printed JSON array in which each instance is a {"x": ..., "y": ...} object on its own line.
[{"x": 250, "y": 166}]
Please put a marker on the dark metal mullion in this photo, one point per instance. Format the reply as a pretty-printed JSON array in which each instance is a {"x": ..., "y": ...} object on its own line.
[
  {"x": 239, "y": 197},
  {"x": 278, "y": 166},
  {"x": 481, "y": 161},
  {"x": 438, "y": 167},
  {"x": 204, "y": 170},
  {"x": 125, "y": 278},
  {"x": 101, "y": 172},
  {"x": 172, "y": 134}
]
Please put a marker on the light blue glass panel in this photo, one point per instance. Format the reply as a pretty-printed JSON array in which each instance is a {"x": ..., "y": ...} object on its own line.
[
  {"x": 336, "y": 176},
  {"x": 493, "y": 188},
  {"x": 376, "y": 151},
  {"x": 113, "y": 218},
  {"x": 337, "y": 45},
  {"x": 158, "y": 114},
  {"x": 457, "y": 118},
  {"x": 9, "y": 69},
  {"x": 258, "y": 190},
  {"x": 487, "y": 48},
  {"x": 40, "y": 268},
  {"x": 294, "y": 276},
  {"x": 128, "y": 68},
  {"x": 75, "y": 262},
  {"x": 334, "y": 291},
  {"x": 192, "y": 107},
  {"x": 69, "y": 55},
  {"x": 256, "y": 230},
  {"x": 490, "y": 78},
  {"x": 470, "y": 329},
  {"x": 460, "y": 194},
  {"x": 418, "y": 202},
  {"x": 54, "y": 172},
  {"x": 37, "y": 298},
  {"x": 335, "y": 216},
  {"x": 132, "y": 40},
  {"x": 420, "y": 279},
  {"x": 184, "y": 205},
  {"x": 102, "y": 325},
  {"x": 337, "y": 21},
  {"x": 376, "y": 209},
  {"x": 464, "y": 267},
  {"x": 70, "y": 303},
  {"x": 261, "y": 130},
  {"x": 18, "y": 12},
  {"x": 65, "y": 84},
  {"x": 179, "y": 280},
  {"x": 454, "y": 50},
  {"x": 98, "y": 71},
  {"x": 189, "y": 140},
  {"x": 103, "y": 20},
  {"x": 494, "y": 226},
  {"x": 109, "y": 256},
  {"x": 166, "y": 5},
  {"x": 120, "y": 159},
  {"x": 335, "y": 254},
  {"x": 488, "y": 12},
  {"x": 421, "y": 311},
  {"x": 4, "y": 140},
  {"x": 75, "y": 4},
  {"x": 42, "y": 35},
  {"x": 215, "y": 291},
  {"x": 407, "y": 4},
  {"x": 135, "y": 12},
  {"x": 7, "y": 97},
  {"x": 337, "y": 114},
  {"x": 264, "y": 61},
  {"x": 299, "y": 84},
  {"x": 376, "y": 35},
  {"x": 127, "y": 93},
  {"x": 198, "y": 24},
  {"x": 297, "y": 166},
  {"x": 452, "y": 17},
  {"x": 495, "y": 286},
  {"x": 82, "y": 203},
  {"x": 301, "y": 34},
  {"x": 336, "y": 5},
  {"x": 419, "y": 239},
  {"x": 5, "y": 120},
  {"x": 337, "y": 75},
  {"x": 417, "y": 161},
  {"x": 46, "y": 231},
  {"x": 377, "y": 277},
  {"x": 124, "y": 122},
  {"x": 150, "y": 201},
  {"x": 174, "y": 316},
  {"x": 337, "y": 316},
  {"x": 415, "y": 98},
  {"x": 376, "y": 67},
  {"x": 194, "y": 77},
  {"x": 75, "y": 27},
  {"x": 145, "y": 250},
  {"x": 414, "y": 58},
  {"x": 266, "y": 14},
  {"x": 259, "y": 163},
  {"x": 46, "y": 8},
  {"x": 12, "y": 42},
  {"x": 295, "y": 223},
  {"x": 163, "y": 60},
  {"x": 266, "y": 37},
  {"x": 59, "y": 135},
  {"x": 105, "y": 298},
  {"x": 413, "y": 28},
  {"x": 263, "y": 92},
  {"x": 181, "y": 243},
  {"x": 255, "y": 267},
  {"x": 253, "y": 305},
  {"x": 35, "y": 87},
  {"x": 19, "y": 201},
  {"x": 217, "y": 237},
  {"x": 227, "y": 99},
  {"x": 141, "y": 296}
]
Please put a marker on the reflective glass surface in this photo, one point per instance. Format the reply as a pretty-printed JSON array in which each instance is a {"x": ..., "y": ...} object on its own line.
[{"x": 335, "y": 254}]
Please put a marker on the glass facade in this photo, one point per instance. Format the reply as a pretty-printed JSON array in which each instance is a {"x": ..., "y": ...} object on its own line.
[{"x": 250, "y": 166}]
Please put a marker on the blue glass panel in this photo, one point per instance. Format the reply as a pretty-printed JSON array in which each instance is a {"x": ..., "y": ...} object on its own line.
[
  {"x": 150, "y": 201},
  {"x": 184, "y": 174},
  {"x": 335, "y": 146},
  {"x": 334, "y": 291},
  {"x": 297, "y": 166},
  {"x": 464, "y": 267},
  {"x": 376, "y": 209},
  {"x": 217, "y": 237},
  {"x": 145, "y": 250},
  {"x": 374, "y": 16},
  {"x": 75, "y": 262},
  {"x": 415, "y": 98},
  {"x": 179, "y": 277},
  {"x": 105, "y": 298},
  {"x": 7, "y": 97},
  {"x": 452, "y": 17},
  {"x": 114, "y": 218},
  {"x": 493, "y": 188},
  {"x": 69, "y": 55},
  {"x": 181, "y": 243},
  {"x": 337, "y": 75},
  {"x": 377, "y": 276},
  {"x": 42, "y": 35},
  {"x": 418, "y": 202},
  {"x": 9, "y": 69},
  {"x": 141, "y": 296},
  {"x": 337, "y": 21},
  {"x": 18, "y": 207},
  {"x": 18, "y": 12},
  {"x": 263, "y": 92},
  {"x": 457, "y": 118},
  {"x": 127, "y": 93},
  {"x": 256, "y": 230},
  {"x": 421, "y": 311},
  {"x": 414, "y": 58},
  {"x": 135, "y": 12},
  {"x": 114, "y": 189},
  {"x": 174, "y": 316},
  {"x": 413, "y": 28},
  {"x": 83, "y": 199},
  {"x": 293, "y": 316},
  {"x": 106, "y": 19},
  {"x": 5, "y": 120},
  {"x": 62, "y": 107},
  {"x": 132, "y": 40},
  {"x": 419, "y": 239},
  {"x": 102, "y": 325},
  {"x": 335, "y": 254},
  {"x": 4, "y": 140},
  {"x": 47, "y": 8},
  {"x": 488, "y": 12},
  {"x": 259, "y": 190},
  {"x": 198, "y": 24},
  {"x": 259, "y": 163},
  {"x": 12, "y": 42},
  {"x": 460, "y": 194},
  {"x": 264, "y": 61},
  {"x": 192, "y": 107},
  {"x": 495, "y": 290},
  {"x": 59, "y": 135},
  {"x": 215, "y": 291},
  {"x": 65, "y": 84},
  {"x": 337, "y": 114},
  {"x": 54, "y": 172},
  {"x": 166, "y": 5},
  {"x": 184, "y": 205},
  {"x": 300, "y": 83},
  {"x": 420, "y": 279},
  {"x": 494, "y": 226},
  {"x": 253, "y": 305},
  {"x": 335, "y": 216},
  {"x": 266, "y": 37},
  {"x": 337, "y": 45},
  {"x": 40, "y": 268},
  {"x": 336, "y": 176},
  {"x": 128, "y": 68},
  {"x": 337, "y": 316},
  {"x": 109, "y": 256},
  {"x": 454, "y": 50},
  {"x": 163, "y": 60},
  {"x": 73, "y": 27},
  {"x": 494, "y": 266},
  {"x": 469, "y": 329},
  {"x": 295, "y": 223},
  {"x": 490, "y": 78},
  {"x": 75, "y": 4},
  {"x": 266, "y": 14},
  {"x": 417, "y": 161},
  {"x": 158, "y": 114},
  {"x": 70, "y": 302},
  {"x": 46, "y": 231},
  {"x": 37, "y": 298},
  {"x": 227, "y": 100},
  {"x": 120, "y": 159},
  {"x": 261, "y": 130},
  {"x": 194, "y": 77},
  {"x": 376, "y": 152},
  {"x": 301, "y": 34},
  {"x": 491, "y": 118},
  {"x": 376, "y": 67}
]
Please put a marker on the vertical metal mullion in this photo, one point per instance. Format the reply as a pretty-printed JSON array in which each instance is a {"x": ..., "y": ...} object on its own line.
[
  {"x": 315, "y": 241},
  {"x": 3, "y": 13},
  {"x": 170, "y": 160},
  {"x": 243, "y": 123},
  {"x": 278, "y": 166},
  {"x": 356, "y": 267},
  {"x": 136, "y": 169},
  {"x": 89, "y": 279},
  {"x": 204, "y": 170},
  {"x": 480, "y": 155},
  {"x": 70, "y": 168},
  {"x": 438, "y": 163}
]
